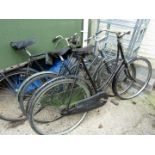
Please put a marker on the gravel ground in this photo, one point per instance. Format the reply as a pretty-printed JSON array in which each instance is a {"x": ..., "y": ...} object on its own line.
[{"x": 136, "y": 116}]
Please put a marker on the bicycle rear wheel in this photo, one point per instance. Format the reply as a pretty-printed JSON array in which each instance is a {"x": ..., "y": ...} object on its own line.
[
  {"x": 9, "y": 106},
  {"x": 46, "y": 105},
  {"x": 30, "y": 85},
  {"x": 131, "y": 87}
]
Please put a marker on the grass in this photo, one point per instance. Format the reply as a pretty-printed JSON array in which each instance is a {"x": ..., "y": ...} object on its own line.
[{"x": 61, "y": 98}]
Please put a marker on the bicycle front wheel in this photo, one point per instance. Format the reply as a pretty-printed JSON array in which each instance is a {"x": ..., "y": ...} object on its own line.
[
  {"x": 46, "y": 105},
  {"x": 135, "y": 80}
]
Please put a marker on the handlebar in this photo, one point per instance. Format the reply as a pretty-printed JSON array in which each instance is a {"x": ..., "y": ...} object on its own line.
[
  {"x": 57, "y": 38},
  {"x": 121, "y": 34},
  {"x": 72, "y": 40},
  {"x": 118, "y": 34}
]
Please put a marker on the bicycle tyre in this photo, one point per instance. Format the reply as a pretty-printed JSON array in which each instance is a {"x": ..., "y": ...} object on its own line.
[
  {"x": 102, "y": 74},
  {"x": 30, "y": 85},
  {"x": 8, "y": 99},
  {"x": 34, "y": 99},
  {"x": 141, "y": 74}
]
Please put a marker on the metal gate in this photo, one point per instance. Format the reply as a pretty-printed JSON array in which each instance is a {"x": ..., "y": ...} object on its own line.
[{"x": 132, "y": 42}]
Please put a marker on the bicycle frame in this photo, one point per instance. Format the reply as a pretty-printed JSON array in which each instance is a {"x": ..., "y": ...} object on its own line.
[
  {"x": 97, "y": 93},
  {"x": 80, "y": 60},
  {"x": 120, "y": 58},
  {"x": 122, "y": 61}
]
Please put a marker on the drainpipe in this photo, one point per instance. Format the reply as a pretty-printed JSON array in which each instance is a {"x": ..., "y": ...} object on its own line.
[{"x": 85, "y": 31}]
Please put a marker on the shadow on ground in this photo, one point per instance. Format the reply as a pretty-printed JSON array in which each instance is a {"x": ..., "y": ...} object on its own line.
[{"x": 136, "y": 116}]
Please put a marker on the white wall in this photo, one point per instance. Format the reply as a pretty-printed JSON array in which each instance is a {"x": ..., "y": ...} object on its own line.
[
  {"x": 147, "y": 47},
  {"x": 85, "y": 31}
]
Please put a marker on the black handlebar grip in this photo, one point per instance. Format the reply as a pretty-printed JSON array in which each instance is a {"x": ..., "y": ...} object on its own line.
[
  {"x": 98, "y": 32},
  {"x": 128, "y": 32}
]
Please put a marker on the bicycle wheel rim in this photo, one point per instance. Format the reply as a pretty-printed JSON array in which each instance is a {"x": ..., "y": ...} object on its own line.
[
  {"x": 143, "y": 74},
  {"x": 102, "y": 75},
  {"x": 9, "y": 106},
  {"x": 122, "y": 78},
  {"x": 70, "y": 122},
  {"x": 30, "y": 86}
]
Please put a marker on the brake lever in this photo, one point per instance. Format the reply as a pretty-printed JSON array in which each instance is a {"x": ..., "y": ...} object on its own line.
[{"x": 121, "y": 34}]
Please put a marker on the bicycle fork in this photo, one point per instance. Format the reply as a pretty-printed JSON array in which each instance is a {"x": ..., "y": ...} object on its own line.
[{"x": 127, "y": 72}]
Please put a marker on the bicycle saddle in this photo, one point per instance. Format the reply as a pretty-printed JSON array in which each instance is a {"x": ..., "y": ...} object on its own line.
[
  {"x": 84, "y": 51},
  {"x": 19, "y": 45},
  {"x": 61, "y": 52}
]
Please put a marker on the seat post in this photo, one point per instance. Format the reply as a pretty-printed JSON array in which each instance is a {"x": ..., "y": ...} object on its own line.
[{"x": 28, "y": 53}]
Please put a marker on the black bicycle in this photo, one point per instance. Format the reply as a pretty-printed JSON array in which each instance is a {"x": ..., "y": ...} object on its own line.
[
  {"x": 62, "y": 61},
  {"x": 11, "y": 81},
  {"x": 67, "y": 67},
  {"x": 61, "y": 104}
]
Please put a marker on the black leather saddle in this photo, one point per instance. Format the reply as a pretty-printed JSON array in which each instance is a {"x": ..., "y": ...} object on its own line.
[
  {"x": 84, "y": 51},
  {"x": 60, "y": 52},
  {"x": 19, "y": 45}
]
